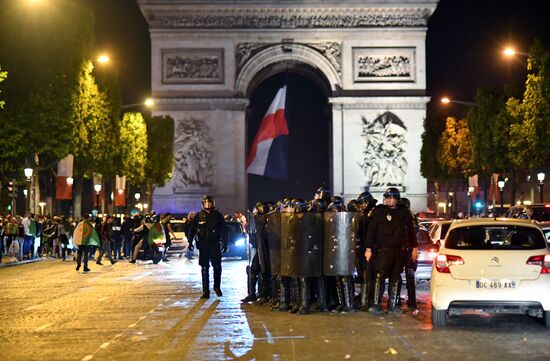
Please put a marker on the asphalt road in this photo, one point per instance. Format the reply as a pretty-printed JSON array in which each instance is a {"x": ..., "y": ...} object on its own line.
[{"x": 152, "y": 312}]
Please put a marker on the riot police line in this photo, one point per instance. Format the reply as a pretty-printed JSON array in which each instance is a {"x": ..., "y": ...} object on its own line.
[{"x": 306, "y": 254}]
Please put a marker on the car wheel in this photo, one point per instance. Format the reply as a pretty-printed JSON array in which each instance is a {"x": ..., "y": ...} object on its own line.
[{"x": 439, "y": 318}]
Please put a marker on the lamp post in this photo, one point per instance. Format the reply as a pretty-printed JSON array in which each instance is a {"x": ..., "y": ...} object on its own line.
[
  {"x": 97, "y": 188},
  {"x": 540, "y": 177},
  {"x": 500, "y": 184},
  {"x": 451, "y": 204},
  {"x": 28, "y": 173},
  {"x": 470, "y": 191}
]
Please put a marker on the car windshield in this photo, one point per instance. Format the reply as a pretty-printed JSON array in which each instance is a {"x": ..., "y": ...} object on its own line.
[
  {"x": 541, "y": 214},
  {"x": 496, "y": 238},
  {"x": 234, "y": 227}
]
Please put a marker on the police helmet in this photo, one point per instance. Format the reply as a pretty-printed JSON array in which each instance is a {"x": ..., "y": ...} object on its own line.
[
  {"x": 406, "y": 202},
  {"x": 323, "y": 193},
  {"x": 297, "y": 205},
  {"x": 261, "y": 207},
  {"x": 352, "y": 206},
  {"x": 317, "y": 205},
  {"x": 337, "y": 199},
  {"x": 207, "y": 198},
  {"x": 336, "y": 207},
  {"x": 392, "y": 192},
  {"x": 365, "y": 198}
]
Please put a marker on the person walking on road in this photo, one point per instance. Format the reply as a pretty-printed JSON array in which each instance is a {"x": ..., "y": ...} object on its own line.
[
  {"x": 105, "y": 234},
  {"x": 84, "y": 236},
  {"x": 211, "y": 231}
]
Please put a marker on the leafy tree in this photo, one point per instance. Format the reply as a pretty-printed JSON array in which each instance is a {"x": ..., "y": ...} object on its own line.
[
  {"x": 3, "y": 75},
  {"x": 530, "y": 136},
  {"x": 160, "y": 148},
  {"x": 133, "y": 147},
  {"x": 42, "y": 48},
  {"x": 434, "y": 125},
  {"x": 455, "y": 148}
]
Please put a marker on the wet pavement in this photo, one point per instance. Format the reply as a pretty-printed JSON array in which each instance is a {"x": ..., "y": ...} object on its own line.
[{"x": 152, "y": 312}]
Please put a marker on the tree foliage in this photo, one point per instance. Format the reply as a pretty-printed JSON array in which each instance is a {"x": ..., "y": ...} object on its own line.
[
  {"x": 160, "y": 147},
  {"x": 133, "y": 147},
  {"x": 434, "y": 125},
  {"x": 3, "y": 75},
  {"x": 92, "y": 136},
  {"x": 42, "y": 48},
  {"x": 530, "y": 133},
  {"x": 455, "y": 148}
]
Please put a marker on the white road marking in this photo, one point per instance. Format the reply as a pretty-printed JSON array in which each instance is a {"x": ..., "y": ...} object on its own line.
[
  {"x": 33, "y": 307},
  {"x": 132, "y": 325},
  {"x": 105, "y": 344},
  {"x": 43, "y": 327},
  {"x": 103, "y": 299},
  {"x": 87, "y": 358},
  {"x": 278, "y": 338}
]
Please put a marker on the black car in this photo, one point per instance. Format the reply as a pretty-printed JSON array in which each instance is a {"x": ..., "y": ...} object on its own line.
[{"x": 237, "y": 241}]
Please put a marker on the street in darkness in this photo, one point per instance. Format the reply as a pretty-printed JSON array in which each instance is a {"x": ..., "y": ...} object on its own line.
[{"x": 153, "y": 312}]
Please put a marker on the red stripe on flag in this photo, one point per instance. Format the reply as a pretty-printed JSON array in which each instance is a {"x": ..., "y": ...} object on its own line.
[{"x": 272, "y": 126}]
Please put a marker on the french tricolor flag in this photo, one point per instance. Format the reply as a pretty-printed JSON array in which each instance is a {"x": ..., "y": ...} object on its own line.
[{"x": 269, "y": 153}]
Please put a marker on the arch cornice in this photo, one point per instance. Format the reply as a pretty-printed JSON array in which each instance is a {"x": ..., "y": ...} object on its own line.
[{"x": 277, "y": 54}]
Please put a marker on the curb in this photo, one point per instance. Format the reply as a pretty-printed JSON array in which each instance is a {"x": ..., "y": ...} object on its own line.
[{"x": 12, "y": 264}]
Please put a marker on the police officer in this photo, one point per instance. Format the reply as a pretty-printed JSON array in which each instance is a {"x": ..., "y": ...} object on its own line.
[
  {"x": 410, "y": 267},
  {"x": 210, "y": 229},
  {"x": 253, "y": 269},
  {"x": 365, "y": 204},
  {"x": 390, "y": 232}
]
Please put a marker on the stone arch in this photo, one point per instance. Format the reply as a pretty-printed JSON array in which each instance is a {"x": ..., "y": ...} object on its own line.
[{"x": 276, "y": 54}]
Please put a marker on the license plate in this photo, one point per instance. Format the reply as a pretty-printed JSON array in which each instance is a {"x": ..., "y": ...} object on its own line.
[{"x": 492, "y": 284}]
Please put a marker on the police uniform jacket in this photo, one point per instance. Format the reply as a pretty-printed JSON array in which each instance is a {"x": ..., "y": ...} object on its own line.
[
  {"x": 209, "y": 227},
  {"x": 390, "y": 228}
]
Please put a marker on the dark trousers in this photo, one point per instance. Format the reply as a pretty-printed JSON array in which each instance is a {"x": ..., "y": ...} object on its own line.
[
  {"x": 127, "y": 245},
  {"x": 210, "y": 253},
  {"x": 82, "y": 253},
  {"x": 117, "y": 248},
  {"x": 389, "y": 264},
  {"x": 105, "y": 250}
]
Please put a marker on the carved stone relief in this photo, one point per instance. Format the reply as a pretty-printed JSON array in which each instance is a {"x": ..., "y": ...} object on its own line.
[
  {"x": 274, "y": 18},
  {"x": 192, "y": 155},
  {"x": 383, "y": 64},
  {"x": 192, "y": 66},
  {"x": 384, "y": 162},
  {"x": 332, "y": 51}
]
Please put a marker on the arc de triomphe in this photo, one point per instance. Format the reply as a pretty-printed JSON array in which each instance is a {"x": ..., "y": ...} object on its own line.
[{"x": 207, "y": 56}]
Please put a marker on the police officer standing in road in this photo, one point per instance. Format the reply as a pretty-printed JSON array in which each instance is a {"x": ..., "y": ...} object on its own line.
[
  {"x": 365, "y": 204},
  {"x": 210, "y": 228},
  {"x": 390, "y": 232}
]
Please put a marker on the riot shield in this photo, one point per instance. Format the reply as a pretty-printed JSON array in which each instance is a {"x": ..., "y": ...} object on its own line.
[
  {"x": 301, "y": 244},
  {"x": 340, "y": 243},
  {"x": 262, "y": 242},
  {"x": 273, "y": 230}
]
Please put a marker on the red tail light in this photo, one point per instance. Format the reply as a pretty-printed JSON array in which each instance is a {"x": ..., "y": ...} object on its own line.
[
  {"x": 444, "y": 261},
  {"x": 542, "y": 260}
]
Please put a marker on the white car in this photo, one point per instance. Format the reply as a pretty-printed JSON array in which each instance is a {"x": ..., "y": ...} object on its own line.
[
  {"x": 492, "y": 265},
  {"x": 438, "y": 230}
]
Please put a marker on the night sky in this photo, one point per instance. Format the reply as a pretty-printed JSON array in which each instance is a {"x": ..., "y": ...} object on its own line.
[{"x": 463, "y": 43}]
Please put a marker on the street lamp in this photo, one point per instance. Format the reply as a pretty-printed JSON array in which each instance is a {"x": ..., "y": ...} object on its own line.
[
  {"x": 97, "y": 188},
  {"x": 447, "y": 100},
  {"x": 149, "y": 102},
  {"x": 540, "y": 177},
  {"x": 510, "y": 52},
  {"x": 451, "y": 203},
  {"x": 500, "y": 185},
  {"x": 145, "y": 206},
  {"x": 28, "y": 173},
  {"x": 70, "y": 181},
  {"x": 42, "y": 204},
  {"x": 103, "y": 58},
  {"x": 137, "y": 196},
  {"x": 470, "y": 191}
]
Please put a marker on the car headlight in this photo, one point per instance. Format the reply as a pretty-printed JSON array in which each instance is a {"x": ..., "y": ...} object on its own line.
[{"x": 240, "y": 242}]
